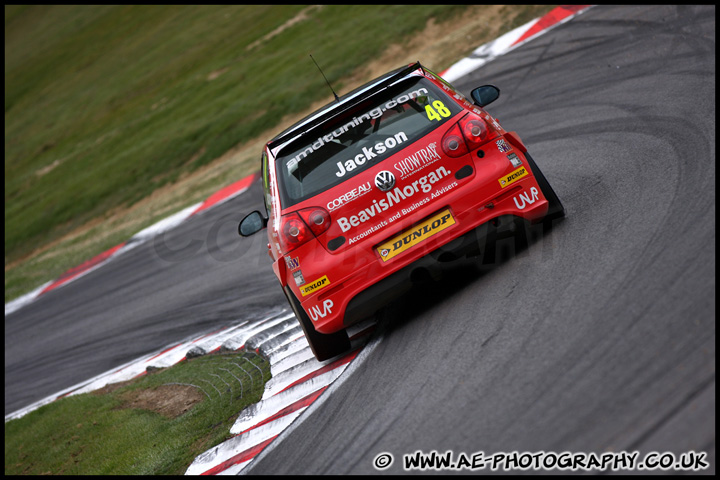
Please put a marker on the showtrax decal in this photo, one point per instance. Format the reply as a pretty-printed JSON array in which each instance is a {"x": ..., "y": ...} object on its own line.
[
  {"x": 394, "y": 197},
  {"x": 337, "y": 133},
  {"x": 418, "y": 160}
]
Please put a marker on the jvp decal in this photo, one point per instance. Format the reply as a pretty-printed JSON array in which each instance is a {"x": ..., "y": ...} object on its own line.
[
  {"x": 512, "y": 177},
  {"x": 526, "y": 199},
  {"x": 316, "y": 312},
  {"x": 314, "y": 286},
  {"x": 417, "y": 234}
]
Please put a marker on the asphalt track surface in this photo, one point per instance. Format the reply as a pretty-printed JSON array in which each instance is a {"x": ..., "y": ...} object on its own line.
[{"x": 599, "y": 336}]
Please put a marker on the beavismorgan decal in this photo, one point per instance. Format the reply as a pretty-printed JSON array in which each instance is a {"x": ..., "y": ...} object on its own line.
[
  {"x": 512, "y": 177},
  {"x": 409, "y": 238},
  {"x": 423, "y": 184},
  {"x": 314, "y": 286}
]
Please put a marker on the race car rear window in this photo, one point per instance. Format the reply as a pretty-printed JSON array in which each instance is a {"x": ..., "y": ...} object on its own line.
[{"x": 368, "y": 133}]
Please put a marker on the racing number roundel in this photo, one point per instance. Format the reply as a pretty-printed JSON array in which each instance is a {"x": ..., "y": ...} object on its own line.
[{"x": 384, "y": 180}]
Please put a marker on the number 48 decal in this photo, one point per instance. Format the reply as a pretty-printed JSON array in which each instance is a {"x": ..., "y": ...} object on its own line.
[{"x": 440, "y": 109}]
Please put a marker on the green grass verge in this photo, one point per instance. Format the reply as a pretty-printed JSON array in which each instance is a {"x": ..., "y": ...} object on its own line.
[
  {"x": 104, "y": 104},
  {"x": 119, "y": 433}
]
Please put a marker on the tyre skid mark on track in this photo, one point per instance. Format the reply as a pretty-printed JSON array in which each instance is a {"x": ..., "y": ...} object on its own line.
[
  {"x": 477, "y": 58},
  {"x": 298, "y": 380},
  {"x": 221, "y": 196}
]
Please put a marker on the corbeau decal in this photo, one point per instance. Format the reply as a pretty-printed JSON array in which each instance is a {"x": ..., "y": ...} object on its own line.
[
  {"x": 512, "y": 177},
  {"x": 314, "y": 286},
  {"x": 349, "y": 197},
  {"x": 526, "y": 199},
  {"x": 417, "y": 234},
  {"x": 394, "y": 197},
  {"x": 316, "y": 313}
]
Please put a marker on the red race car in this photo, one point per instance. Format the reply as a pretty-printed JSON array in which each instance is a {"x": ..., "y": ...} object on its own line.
[{"x": 379, "y": 184}]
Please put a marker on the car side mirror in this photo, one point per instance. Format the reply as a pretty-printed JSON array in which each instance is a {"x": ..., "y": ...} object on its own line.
[
  {"x": 485, "y": 95},
  {"x": 251, "y": 224}
]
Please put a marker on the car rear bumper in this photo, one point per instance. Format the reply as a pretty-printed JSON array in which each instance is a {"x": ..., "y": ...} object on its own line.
[{"x": 373, "y": 283}]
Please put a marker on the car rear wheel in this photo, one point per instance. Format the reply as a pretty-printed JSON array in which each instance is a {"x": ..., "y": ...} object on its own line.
[
  {"x": 556, "y": 209},
  {"x": 323, "y": 346}
]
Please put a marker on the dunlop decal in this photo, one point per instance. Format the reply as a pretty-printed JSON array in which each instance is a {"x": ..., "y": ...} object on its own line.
[
  {"x": 419, "y": 233},
  {"x": 314, "y": 286},
  {"x": 513, "y": 177}
]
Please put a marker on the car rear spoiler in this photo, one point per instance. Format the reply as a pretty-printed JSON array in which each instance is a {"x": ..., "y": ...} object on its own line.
[{"x": 340, "y": 106}]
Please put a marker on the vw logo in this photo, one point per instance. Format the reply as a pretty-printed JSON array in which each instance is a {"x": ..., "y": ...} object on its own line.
[{"x": 385, "y": 180}]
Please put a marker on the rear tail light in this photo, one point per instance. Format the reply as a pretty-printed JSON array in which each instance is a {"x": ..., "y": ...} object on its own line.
[
  {"x": 453, "y": 144},
  {"x": 318, "y": 219},
  {"x": 466, "y": 135},
  {"x": 302, "y": 226},
  {"x": 475, "y": 132}
]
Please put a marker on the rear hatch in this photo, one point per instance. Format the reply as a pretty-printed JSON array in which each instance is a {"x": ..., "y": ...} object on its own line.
[{"x": 389, "y": 156}]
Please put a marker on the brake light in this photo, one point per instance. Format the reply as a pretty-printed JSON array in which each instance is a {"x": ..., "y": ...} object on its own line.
[
  {"x": 302, "y": 226},
  {"x": 318, "y": 219},
  {"x": 475, "y": 132},
  {"x": 294, "y": 232},
  {"x": 453, "y": 144},
  {"x": 466, "y": 135}
]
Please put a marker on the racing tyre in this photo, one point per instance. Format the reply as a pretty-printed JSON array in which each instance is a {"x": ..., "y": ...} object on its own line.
[
  {"x": 556, "y": 209},
  {"x": 323, "y": 346}
]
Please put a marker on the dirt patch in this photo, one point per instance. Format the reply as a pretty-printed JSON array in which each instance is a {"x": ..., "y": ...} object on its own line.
[
  {"x": 301, "y": 16},
  {"x": 170, "y": 400}
]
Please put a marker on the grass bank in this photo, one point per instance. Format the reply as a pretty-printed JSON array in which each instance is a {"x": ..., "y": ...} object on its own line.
[
  {"x": 117, "y": 116},
  {"x": 154, "y": 425}
]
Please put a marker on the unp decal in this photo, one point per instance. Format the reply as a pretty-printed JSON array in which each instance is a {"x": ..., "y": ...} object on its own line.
[
  {"x": 526, "y": 199},
  {"x": 317, "y": 311}
]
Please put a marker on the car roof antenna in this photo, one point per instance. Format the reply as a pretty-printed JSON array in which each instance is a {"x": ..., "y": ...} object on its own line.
[{"x": 326, "y": 80}]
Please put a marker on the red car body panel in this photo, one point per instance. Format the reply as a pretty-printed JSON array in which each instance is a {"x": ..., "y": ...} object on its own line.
[{"x": 372, "y": 233}]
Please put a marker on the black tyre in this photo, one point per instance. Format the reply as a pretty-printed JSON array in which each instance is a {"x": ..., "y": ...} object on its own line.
[
  {"x": 556, "y": 209},
  {"x": 323, "y": 346}
]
